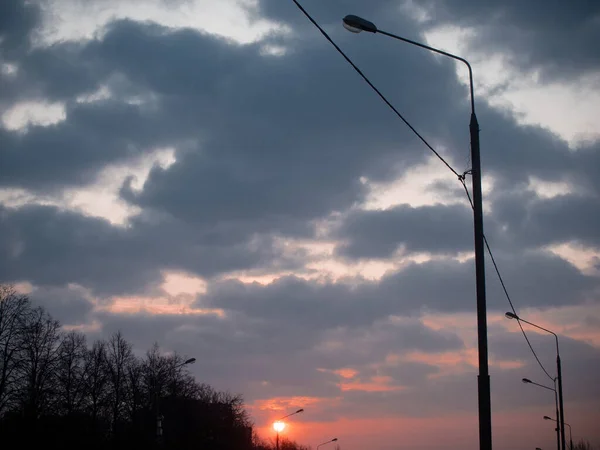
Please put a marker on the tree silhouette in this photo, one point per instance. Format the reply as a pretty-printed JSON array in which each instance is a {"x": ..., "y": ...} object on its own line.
[
  {"x": 70, "y": 367},
  {"x": 13, "y": 309},
  {"x": 57, "y": 392},
  {"x": 40, "y": 336},
  {"x": 119, "y": 357}
]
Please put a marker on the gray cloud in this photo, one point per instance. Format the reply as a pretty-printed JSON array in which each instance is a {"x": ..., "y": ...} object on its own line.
[
  {"x": 271, "y": 358},
  {"x": 17, "y": 20},
  {"x": 266, "y": 146},
  {"x": 75, "y": 150},
  {"x": 379, "y": 233},
  {"x": 67, "y": 305},
  {"x": 536, "y": 279},
  {"x": 529, "y": 31},
  {"x": 52, "y": 247},
  {"x": 533, "y": 221},
  {"x": 268, "y": 358}
]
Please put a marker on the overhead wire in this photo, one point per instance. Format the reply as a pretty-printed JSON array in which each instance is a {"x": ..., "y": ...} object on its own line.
[
  {"x": 364, "y": 77},
  {"x": 461, "y": 177},
  {"x": 500, "y": 278}
]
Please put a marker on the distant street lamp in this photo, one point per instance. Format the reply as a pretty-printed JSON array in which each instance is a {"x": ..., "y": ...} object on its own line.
[
  {"x": 357, "y": 24},
  {"x": 570, "y": 430},
  {"x": 279, "y": 426},
  {"x": 328, "y": 442},
  {"x": 557, "y": 429},
  {"x": 159, "y": 417},
  {"x": 511, "y": 315},
  {"x": 186, "y": 362}
]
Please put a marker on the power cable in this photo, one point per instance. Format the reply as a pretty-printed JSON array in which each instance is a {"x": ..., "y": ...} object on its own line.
[
  {"x": 461, "y": 178},
  {"x": 512, "y": 307},
  {"x": 364, "y": 77}
]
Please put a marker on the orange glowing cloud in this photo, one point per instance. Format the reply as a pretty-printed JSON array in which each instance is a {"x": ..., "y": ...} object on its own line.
[
  {"x": 159, "y": 306},
  {"x": 285, "y": 403},
  {"x": 457, "y": 362},
  {"x": 346, "y": 373},
  {"x": 350, "y": 382},
  {"x": 374, "y": 384}
]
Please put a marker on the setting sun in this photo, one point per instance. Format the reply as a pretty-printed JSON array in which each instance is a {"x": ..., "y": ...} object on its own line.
[{"x": 278, "y": 426}]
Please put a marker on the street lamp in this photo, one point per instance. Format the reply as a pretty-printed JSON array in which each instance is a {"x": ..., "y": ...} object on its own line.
[
  {"x": 357, "y": 24},
  {"x": 328, "y": 442},
  {"x": 159, "y": 417},
  {"x": 511, "y": 315},
  {"x": 279, "y": 426},
  {"x": 570, "y": 430},
  {"x": 528, "y": 381}
]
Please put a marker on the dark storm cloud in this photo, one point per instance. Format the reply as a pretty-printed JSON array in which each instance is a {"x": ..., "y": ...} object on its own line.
[
  {"x": 379, "y": 233},
  {"x": 17, "y": 20},
  {"x": 237, "y": 351},
  {"x": 73, "y": 151},
  {"x": 432, "y": 390},
  {"x": 235, "y": 103},
  {"x": 68, "y": 305},
  {"x": 47, "y": 246},
  {"x": 536, "y": 279},
  {"x": 558, "y": 37},
  {"x": 534, "y": 221},
  {"x": 268, "y": 144},
  {"x": 270, "y": 140},
  {"x": 277, "y": 135}
]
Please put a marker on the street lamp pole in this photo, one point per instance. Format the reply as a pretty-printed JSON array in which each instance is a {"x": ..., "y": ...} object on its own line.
[
  {"x": 279, "y": 425},
  {"x": 356, "y": 25},
  {"x": 570, "y": 430},
  {"x": 328, "y": 442},
  {"x": 557, "y": 429},
  {"x": 159, "y": 429},
  {"x": 511, "y": 315}
]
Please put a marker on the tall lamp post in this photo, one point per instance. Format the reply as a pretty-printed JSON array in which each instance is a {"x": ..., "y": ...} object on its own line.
[
  {"x": 328, "y": 442},
  {"x": 570, "y": 430},
  {"x": 557, "y": 429},
  {"x": 356, "y": 25},
  {"x": 159, "y": 429},
  {"x": 279, "y": 426},
  {"x": 511, "y": 315}
]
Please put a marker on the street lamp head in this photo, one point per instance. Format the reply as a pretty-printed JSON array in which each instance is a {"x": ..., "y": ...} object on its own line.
[
  {"x": 526, "y": 380},
  {"x": 356, "y": 24},
  {"x": 278, "y": 426},
  {"x": 334, "y": 440},
  {"x": 548, "y": 418},
  {"x": 300, "y": 410},
  {"x": 510, "y": 315},
  {"x": 190, "y": 361}
]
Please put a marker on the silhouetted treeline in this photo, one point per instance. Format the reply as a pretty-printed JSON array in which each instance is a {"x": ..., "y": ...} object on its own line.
[
  {"x": 59, "y": 391},
  {"x": 584, "y": 445}
]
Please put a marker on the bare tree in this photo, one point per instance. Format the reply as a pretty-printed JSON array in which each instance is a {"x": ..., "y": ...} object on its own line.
[
  {"x": 40, "y": 356},
  {"x": 13, "y": 307},
  {"x": 155, "y": 370},
  {"x": 119, "y": 357},
  {"x": 96, "y": 379},
  {"x": 583, "y": 445},
  {"x": 70, "y": 372},
  {"x": 134, "y": 391}
]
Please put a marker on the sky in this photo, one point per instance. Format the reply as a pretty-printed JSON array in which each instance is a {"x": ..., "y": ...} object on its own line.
[{"x": 213, "y": 176}]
